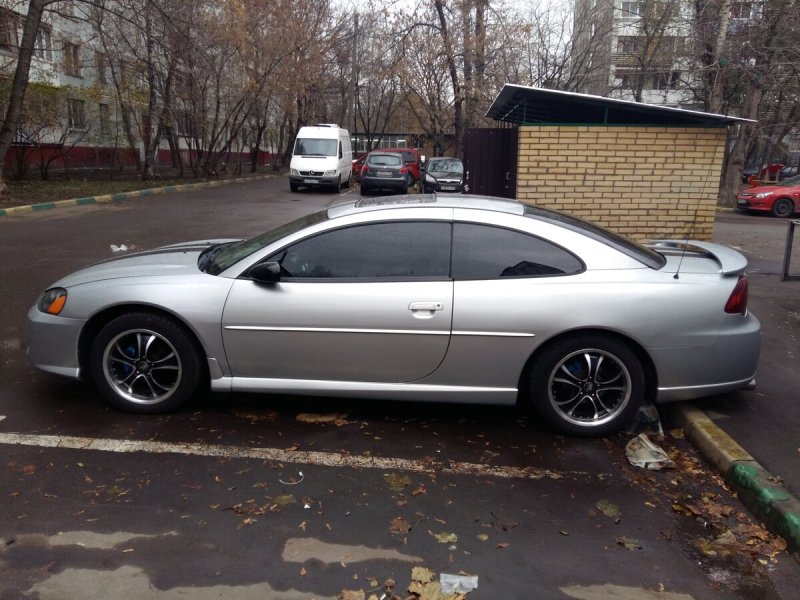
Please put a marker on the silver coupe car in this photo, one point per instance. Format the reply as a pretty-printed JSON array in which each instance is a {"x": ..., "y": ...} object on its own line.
[{"x": 425, "y": 297}]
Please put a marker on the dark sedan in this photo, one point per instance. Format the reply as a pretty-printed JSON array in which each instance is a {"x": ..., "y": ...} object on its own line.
[{"x": 443, "y": 175}]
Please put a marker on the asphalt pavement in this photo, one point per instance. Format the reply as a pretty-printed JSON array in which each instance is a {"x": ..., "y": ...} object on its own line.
[{"x": 253, "y": 497}]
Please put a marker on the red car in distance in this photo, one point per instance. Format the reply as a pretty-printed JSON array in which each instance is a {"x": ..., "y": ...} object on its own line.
[{"x": 781, "y": 199}]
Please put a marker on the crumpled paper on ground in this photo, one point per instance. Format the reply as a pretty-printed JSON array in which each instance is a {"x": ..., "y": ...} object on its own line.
[
  {"x": 643, "y": 453},
  {"x": 458, "y": 584}
]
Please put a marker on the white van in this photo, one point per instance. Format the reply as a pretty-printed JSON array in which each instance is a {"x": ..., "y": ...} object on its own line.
[{"x": 322, "y": 156}]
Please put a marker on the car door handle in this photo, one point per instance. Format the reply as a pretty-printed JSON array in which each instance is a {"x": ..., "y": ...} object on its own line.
[{"x": 429, "y": 306}]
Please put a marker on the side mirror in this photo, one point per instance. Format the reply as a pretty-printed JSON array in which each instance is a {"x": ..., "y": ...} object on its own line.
[{"x": 266, "y": 272}]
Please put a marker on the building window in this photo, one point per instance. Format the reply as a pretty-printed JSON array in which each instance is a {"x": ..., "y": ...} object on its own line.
[
  {"x": 72, "y": 59},
  {"x": 741, "y": 10},
  {"x": 105, "y": 118},
  {"x": 100, "y": 64},
  {"x": 43, "y": 48},
  {"x": 666, "y": 81},
  {"x": 76, "y": 113},
  {"x": 8, "y": 31},
  {"x": 632, "y": 10},
  {"x": 628, "y": 44}
]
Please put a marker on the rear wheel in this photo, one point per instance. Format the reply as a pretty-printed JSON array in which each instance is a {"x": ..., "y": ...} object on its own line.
[
  {"x": 587, "y": 385},
  {"x": 783, "y": 207},
  {"x": 145, "y": 363}
]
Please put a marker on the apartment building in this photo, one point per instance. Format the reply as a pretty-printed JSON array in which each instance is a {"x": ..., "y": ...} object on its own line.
[{"x": 643, "y": 50}]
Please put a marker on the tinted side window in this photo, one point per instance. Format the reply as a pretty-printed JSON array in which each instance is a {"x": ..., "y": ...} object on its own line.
[
  {"x": 377, "y": 250},
  {"x": 484, "y": 252}
]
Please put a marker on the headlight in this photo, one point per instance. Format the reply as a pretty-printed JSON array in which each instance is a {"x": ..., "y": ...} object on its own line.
[
  {"x": 331, "y": 173},
  {"x": 294, "y": 172},
  {"x": 763, "y": 194},
  {"x": 429, "y": 178},
  {"x": 53, "y": 301}
]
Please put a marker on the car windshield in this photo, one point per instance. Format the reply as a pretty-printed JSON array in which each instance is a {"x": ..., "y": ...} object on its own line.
[
  {"x": 316, "y": 147},
  {"x": 644, "y": 255},
  {"x": 387, "y": 160},
  {"x": 233, "y": 253},
  {"x": 791, "y": 181},
  {"x": 446, "y": 166}
]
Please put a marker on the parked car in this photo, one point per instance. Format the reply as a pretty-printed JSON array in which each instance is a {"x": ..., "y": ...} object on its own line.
[
  {"x": 384, "y": 171},
  {"x": 781, "y": 199},
  {"x": 446, "y": 298},
  {"x": 443, "y": 175},
  {"x": 787, "y": 172},
  {"x": 358, "y": 164},
  {"x": 413, "y": 160}
]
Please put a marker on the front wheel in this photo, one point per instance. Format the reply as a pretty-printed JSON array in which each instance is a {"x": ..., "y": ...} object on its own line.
[
  {"x": 293, "y": 186},
  {"x": 587, "y": 385},
  {"x": 145, "y": 363},
  {"x": 783, "y": 207}
]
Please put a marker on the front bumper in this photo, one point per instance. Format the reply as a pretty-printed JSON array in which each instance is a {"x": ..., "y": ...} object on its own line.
[
  {"x": 313, "y": 181},
  {"x": 453, "y": 187},
  {"x": 752, "y": 203},
  {"x": 53, "y": 343}
]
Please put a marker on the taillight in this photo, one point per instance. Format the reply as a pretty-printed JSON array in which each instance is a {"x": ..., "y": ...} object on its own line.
[
  {"x": 403, "y": 170},
  {"x": 737, "y": 302}
]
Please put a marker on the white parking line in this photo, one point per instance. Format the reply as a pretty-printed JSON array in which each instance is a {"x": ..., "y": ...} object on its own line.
[{"x": 326, "y": 459}]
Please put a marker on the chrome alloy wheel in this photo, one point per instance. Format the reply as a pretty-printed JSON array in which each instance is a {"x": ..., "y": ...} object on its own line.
[
  {"x": 142, "y": 366},
  {"x": 589, "y": 387}
]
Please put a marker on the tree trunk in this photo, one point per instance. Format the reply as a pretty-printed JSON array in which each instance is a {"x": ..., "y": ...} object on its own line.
[{"x": 20, "y": 83}]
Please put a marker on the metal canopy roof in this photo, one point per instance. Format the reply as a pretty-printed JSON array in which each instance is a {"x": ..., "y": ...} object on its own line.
[{"x": 523, "y": 105}]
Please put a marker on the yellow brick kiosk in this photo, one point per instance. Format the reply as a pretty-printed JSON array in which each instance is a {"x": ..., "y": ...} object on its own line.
[{"x": 641, "y": 170}]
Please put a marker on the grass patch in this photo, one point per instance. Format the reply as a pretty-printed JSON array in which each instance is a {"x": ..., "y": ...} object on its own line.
[{"x": 27, "y": 191}]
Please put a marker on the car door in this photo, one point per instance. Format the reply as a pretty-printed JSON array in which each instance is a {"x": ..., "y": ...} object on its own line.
[
  {"x": 370, "y": 302},
  {"x": 511, "y": 289}
]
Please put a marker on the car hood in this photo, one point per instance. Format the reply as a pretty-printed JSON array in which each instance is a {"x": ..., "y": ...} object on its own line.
[
  {"x": 176, "y": 259},
  {"x": 447, "y": 175},
  {"x": 761, "y": 189}
]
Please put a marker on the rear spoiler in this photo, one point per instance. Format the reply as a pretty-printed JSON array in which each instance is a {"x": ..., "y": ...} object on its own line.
[{"x": 731, "y": 262}]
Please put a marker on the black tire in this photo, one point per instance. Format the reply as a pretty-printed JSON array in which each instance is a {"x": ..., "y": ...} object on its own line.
[
  {"x": 293, "y": 186},
  {"x": 783, "y": 208},
  {"x": 587, "y": 385},
  {"x": 364, "y": 190},
  {"x": 145, "y": 363}
]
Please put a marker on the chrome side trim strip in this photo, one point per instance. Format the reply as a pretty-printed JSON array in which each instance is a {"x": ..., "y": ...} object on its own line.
[
  {"x": 495, "y": 334},
  {"x": 336, "y": 330},
  {"x": 381, "y": 331}
]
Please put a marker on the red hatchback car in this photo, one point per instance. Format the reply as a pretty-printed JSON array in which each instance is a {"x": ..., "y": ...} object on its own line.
[{"x": 781, "y": 199}]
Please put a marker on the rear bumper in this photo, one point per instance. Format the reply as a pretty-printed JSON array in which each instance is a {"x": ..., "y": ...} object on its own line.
[
  {"x": 727, "y": 365},
  {"x": 384, "y": 183}
]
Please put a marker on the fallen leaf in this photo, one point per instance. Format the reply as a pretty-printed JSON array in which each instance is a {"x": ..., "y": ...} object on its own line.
[
  {"x": 444, "y": 537},
  {"x": 422, "y": 574},
  {"x": 397, "y": 482},
  {"x": 628, "y": 543},
  {"x": 483, "y": 537},
  {"x": 319, "y": 419},
  {"x": 609, "y": 509},
  {"x": 399, "y": 526},
  {"x": 503, "y": 545}
]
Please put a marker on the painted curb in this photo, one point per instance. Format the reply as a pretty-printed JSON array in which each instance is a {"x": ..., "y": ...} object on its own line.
[
  {"x": 105, "y": 199},
  {"x": 759, "y": 490}
]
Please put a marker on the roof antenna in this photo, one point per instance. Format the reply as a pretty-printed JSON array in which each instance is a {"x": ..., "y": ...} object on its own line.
[{"x": 694, "y": 218}]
